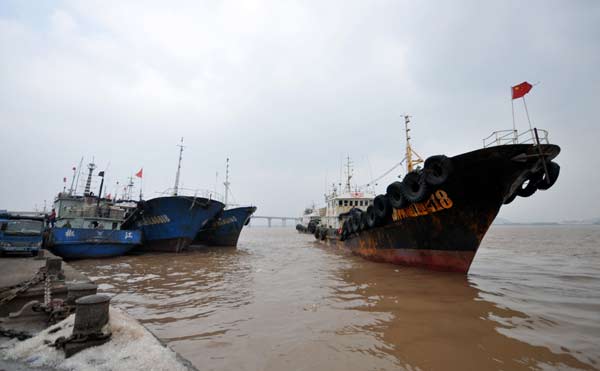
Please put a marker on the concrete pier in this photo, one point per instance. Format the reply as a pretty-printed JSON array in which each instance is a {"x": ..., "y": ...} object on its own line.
[
  {"x": 143, "y": 350},
  {"x": 16, "y": 270}
]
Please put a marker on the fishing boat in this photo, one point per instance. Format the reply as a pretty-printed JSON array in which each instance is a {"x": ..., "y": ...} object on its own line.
[
  {"x": 89, "y": 226},
  {"x": 437, "y": 215},
  {"x": 226, "y": 227},
  {"x": 170, "y": 223},
  {"x": 310, "y": 220}
]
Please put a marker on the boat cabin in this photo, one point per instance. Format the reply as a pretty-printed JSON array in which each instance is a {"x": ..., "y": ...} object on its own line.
[{"x": 87, "y": 212}]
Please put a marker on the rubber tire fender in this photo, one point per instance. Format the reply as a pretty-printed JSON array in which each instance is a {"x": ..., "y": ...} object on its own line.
[
  {"x": 437, "y": 169},
  {"x": 382, "y": 208},
  {"x": 370, "y": 217},
  {"x": 553, "y": 172},
  {"x": 348, "y": 225},
  {"x": 363, "y": 221},
  {"x": 414, "y": 187},
  {"x": 395, "y": 193},
  {"x": 355, "y": 222},
  {"x": 532, "y": 184}
]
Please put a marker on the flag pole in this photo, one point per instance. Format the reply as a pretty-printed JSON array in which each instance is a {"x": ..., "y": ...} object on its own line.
[
  {"x": 527, "y": 113},
  {"x": 141, "y": 184},
  {"x": 512, "y": 104}
]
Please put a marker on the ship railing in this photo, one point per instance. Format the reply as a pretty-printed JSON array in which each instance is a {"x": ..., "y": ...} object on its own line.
[
  {"x": 194, "y": 192},
  {"x": 504, "y": 137}
]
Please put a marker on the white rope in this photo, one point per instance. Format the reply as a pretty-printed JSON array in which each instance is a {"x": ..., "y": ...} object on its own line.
[{"x": 385, "y": 174}]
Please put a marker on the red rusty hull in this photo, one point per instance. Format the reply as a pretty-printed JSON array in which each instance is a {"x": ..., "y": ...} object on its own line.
[
  {"x": 440, "y": 260},
  {"x": 444, "y": 231}
]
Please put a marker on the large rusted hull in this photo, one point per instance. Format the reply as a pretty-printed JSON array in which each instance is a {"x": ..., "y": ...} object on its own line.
[{"x": 444, "y": 231}]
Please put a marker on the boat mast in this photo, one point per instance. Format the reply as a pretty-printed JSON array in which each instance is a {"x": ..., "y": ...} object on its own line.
[
  {"x": 410, "y": 163},
  {"x": 130, "y": 189},
  {"x": 348, "y": 174},
  {"x": 226, "y": 184},
  {"x": 88, "y": 183},
  {"x": 176, "y": 187}
]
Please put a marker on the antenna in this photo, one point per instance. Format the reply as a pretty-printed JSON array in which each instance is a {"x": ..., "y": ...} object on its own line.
[
  {"x": 116, "y": 190},
  {"x": 73, "y": 180},
  {"x": 176, "y": 187},
  {"x": 226, "y": 184},
  {"x": 410, "y": 163},
  {"x": 78, "y": 173}
]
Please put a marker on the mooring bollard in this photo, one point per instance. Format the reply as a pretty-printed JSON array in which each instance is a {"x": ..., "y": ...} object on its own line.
[
  {"x": 53, "y": 266},
  {"x": 91, "y": 314},
  {"x": 89, "y": 329},
  {"x": 79, "y": 290},
  {"x": 41, "y": 255}
]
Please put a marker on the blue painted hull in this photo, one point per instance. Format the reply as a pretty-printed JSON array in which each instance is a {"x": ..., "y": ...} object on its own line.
[
  {"x": 225, "y": 230},
  {"x": 83, "y": 243},
  {"x": 171, "y": 223}
]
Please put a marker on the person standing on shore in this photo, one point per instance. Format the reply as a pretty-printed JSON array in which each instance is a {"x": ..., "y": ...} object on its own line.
[{"x": 52, "y": 218}]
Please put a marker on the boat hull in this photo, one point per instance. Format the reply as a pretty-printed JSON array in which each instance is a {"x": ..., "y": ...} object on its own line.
[
  {"x": 225, "y": 230},
  {"x": 81, "y": 243},
  {"x": 169, "y": 224},
  {"x": 444, "y": 231}
]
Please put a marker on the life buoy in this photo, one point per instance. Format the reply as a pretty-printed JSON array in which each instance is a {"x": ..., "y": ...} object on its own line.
[
  {"x": 553, "y": 172},
  {"x": 414, "y": 187},
  {"x": 437, "y": 169},
  {"x": 395, "y": 194}
]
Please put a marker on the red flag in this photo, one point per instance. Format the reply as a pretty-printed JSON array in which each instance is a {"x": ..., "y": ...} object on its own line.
[
  {"x": 520, "y": 90},
  {"x": 140, "y": 173}
]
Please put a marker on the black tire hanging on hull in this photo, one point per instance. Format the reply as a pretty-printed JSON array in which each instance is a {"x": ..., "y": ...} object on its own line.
[
  {"x": 531, "y": 184},
  {"x": 414, "y": 187},
  {"x": 437, "y": 169},
  {"x": 395, "y": 193},
  {"x": 382, "y": 209},
  {"x": 370, "y": 216},
  {"x": 553, "y": 172}
]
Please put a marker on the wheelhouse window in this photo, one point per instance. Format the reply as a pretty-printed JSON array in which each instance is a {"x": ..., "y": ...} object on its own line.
[{"x": 345, "y": 202}]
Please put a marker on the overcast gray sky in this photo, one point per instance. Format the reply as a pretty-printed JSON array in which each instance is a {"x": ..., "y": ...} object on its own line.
[{"x": 286, "y": 88}]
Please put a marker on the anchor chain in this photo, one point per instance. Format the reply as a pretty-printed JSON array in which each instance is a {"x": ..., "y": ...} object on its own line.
[
  {"x": 19, "y": 335},
  {"x": 23, "y": 286},
  {"x": 62, "y": 341}
]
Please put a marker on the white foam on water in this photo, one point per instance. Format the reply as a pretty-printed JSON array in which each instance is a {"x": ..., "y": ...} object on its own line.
[{"x": 131, "y": 347}]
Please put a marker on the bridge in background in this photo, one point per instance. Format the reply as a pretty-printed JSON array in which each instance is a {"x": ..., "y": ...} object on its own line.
[{"x": 283, "y": 219}]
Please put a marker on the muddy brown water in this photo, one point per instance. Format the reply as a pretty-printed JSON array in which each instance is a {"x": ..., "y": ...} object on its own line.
[{"x": 281, "y": 301}]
